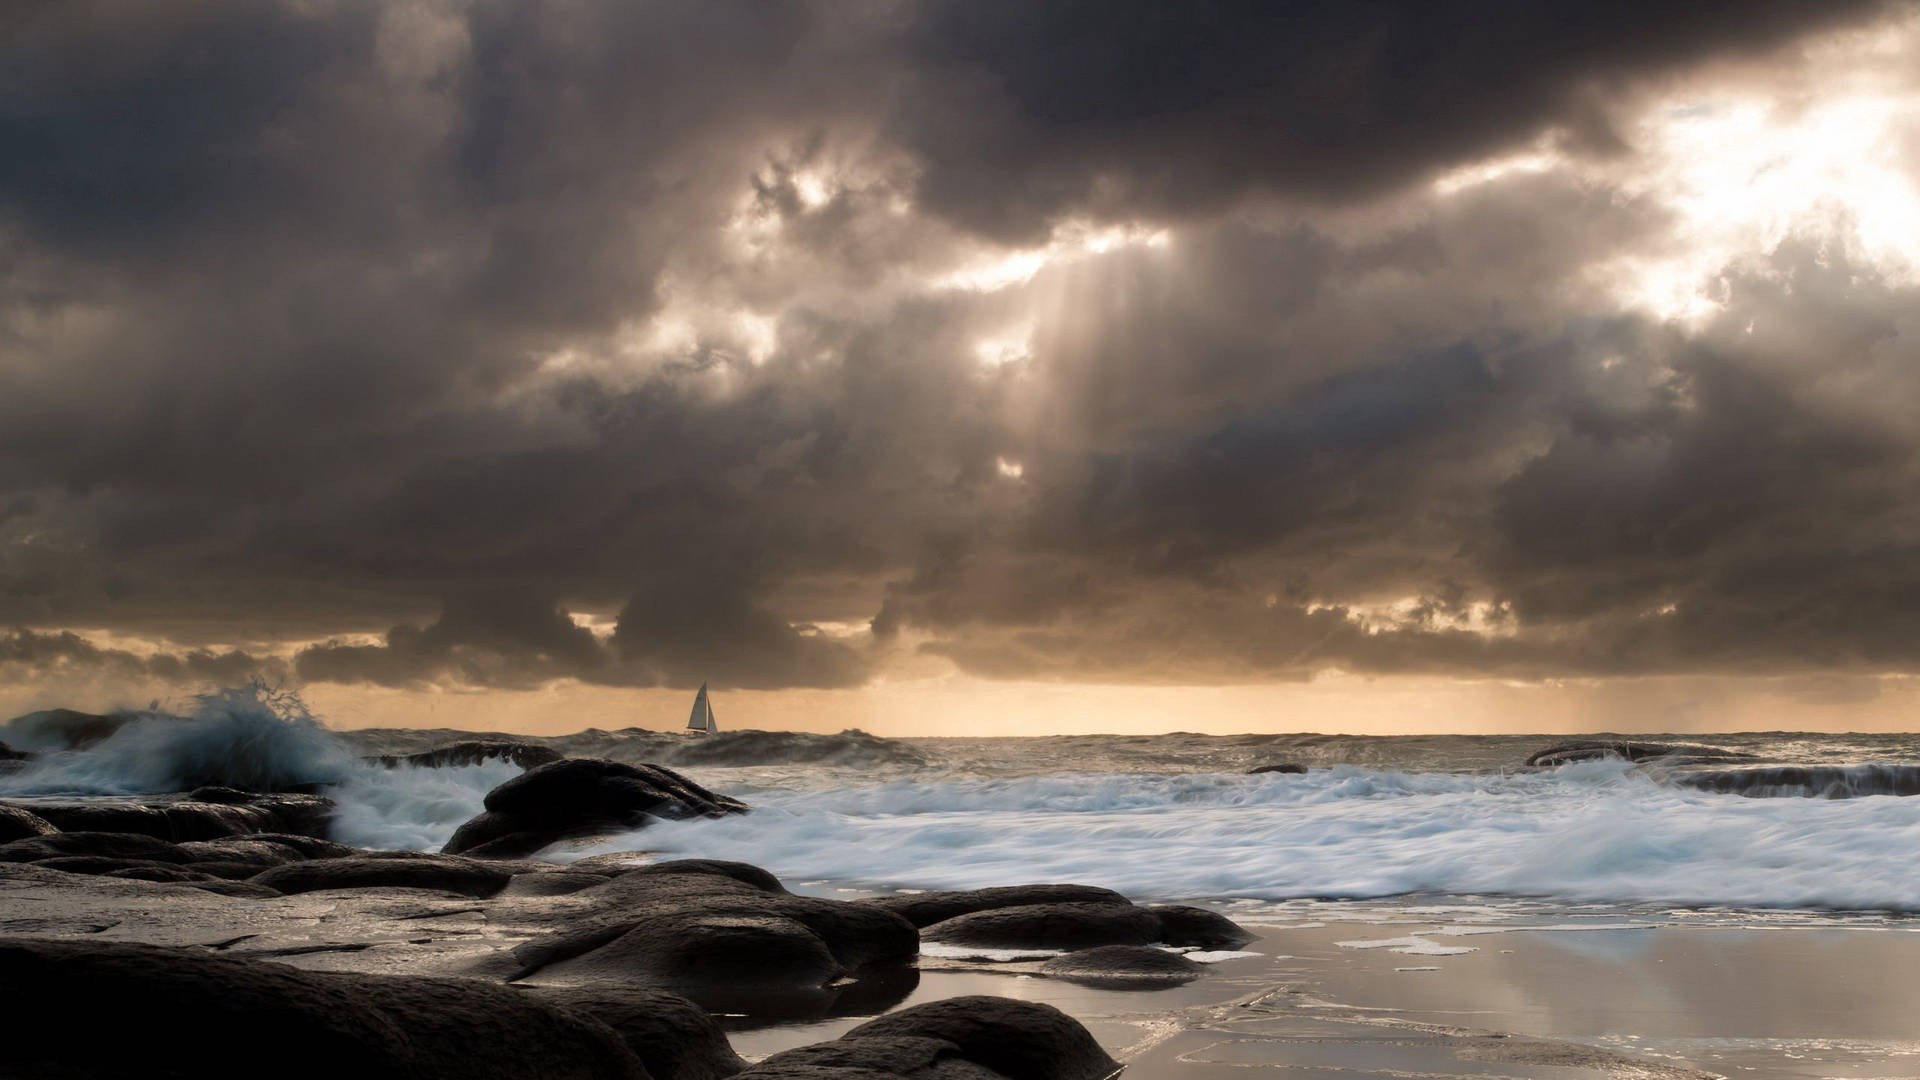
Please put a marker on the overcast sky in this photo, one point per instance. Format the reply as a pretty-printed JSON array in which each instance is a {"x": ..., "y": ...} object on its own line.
[{"x": 953, "y": 365}]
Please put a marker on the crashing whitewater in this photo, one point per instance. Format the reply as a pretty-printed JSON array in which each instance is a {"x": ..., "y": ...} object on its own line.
[{"x": 1174, "y": 817}]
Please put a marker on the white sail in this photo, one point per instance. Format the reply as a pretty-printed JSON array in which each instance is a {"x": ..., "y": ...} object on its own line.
[{"x": 702, "y": 718}]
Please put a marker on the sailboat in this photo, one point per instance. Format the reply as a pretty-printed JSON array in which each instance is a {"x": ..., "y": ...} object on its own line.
[{"x": 702, "y": 718}]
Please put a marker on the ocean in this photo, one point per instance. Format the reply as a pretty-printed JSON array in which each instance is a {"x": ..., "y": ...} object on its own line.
[{"x": 1817, "y": 821}]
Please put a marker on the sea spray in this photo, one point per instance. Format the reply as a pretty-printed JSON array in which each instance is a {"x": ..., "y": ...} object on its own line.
[{"x": 253, "y": 737}]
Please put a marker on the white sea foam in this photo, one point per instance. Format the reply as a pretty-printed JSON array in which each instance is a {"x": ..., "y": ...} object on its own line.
[
  {"x": 1410, "y": 945},
  {"x": 1591, "y": 831},
  {"x": 409, "y": 807}
]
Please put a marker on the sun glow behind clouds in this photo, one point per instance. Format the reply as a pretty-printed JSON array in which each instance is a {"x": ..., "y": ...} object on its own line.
[
  {"x": 1832, "y": 156},
  {"x": 1741, "y": 176},
  {"x": 1069, "y": 243}
]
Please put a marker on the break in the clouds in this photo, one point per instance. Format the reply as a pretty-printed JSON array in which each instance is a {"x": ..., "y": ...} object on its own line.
[{"x": 785, "y": 344}]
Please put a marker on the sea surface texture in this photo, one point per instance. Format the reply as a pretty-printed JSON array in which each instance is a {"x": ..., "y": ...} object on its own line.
[{"x": 1744, "y": 820}]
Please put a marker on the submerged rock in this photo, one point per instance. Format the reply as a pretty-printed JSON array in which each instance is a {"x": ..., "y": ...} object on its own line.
[
  {"x": 65, "y": 729},
  {"x": 578, "y": 797},
  {"x": 1807, "y": 781},
  {"x": 1124, "y": 967},
  {"x": 1050, "y": 926},
  {"x": 1282, "y": 767},
  {"x": 925, "y": 909},
  {"x": 296, "y": 1024},
  {"x": 1599, "y": 749},
  {"x": 473, "y": 752}
]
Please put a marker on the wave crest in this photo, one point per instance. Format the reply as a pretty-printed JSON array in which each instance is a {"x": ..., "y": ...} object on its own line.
[{"x": 254, "y": 737}]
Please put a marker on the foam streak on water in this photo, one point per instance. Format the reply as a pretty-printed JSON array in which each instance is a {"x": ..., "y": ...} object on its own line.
[{"x": 1594, "y": 831}]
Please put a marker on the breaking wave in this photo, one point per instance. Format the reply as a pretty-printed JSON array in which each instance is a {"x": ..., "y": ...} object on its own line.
[
  {"x": 252, "y": 737},
  {"x": 1593, "y": 831}
]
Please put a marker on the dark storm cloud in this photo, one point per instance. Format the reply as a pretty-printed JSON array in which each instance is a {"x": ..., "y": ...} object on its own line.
[
  {"x": 27, "y": 656},
  {"x": 1026, "y": 112},
  {"x": 317, "y": 319}
]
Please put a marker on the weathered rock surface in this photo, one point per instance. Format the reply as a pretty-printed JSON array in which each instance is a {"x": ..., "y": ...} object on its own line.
[
  {"x": 316, "y": 1024},
  {"x": 444, "y": 873},
  {"x": 105, "y": 864},
  {"x": 674, "y": 1038},
  {"x": 473, "y": 752},
  {"x": 1050, "y": 926},
  {"x": 1124, "y": 966},
  {"x": 18, "y": 823},
  {"x": 925, "y": 909},
  {"x": 1282, "y": 767},
  {"x": 109, "y": 844},
  {"x": 194, "y": 820},
  {"x": 965, "y": 1038},
  {"x": 579, "y": 797}
]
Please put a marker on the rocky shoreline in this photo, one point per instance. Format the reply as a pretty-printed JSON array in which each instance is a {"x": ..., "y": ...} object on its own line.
[{"x": 230, "y": 911}]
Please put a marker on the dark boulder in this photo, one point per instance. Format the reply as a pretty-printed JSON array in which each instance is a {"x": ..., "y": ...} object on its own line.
[
  {"x": 708, "y": 926},
  {"x": 1020, "y": 1040},
  {"x": 8, "y": 753},
  {"x": 112, "y": 845},
  {"x": 1124, "y": 967},
  {"x": 580, "y": 797},
  {"x": 1598, "y": 749},
  {"x": 1050, "y": 926},
  {"x": 321, "y": 1025},
  {"x": 673, "y": 1037},
  {"x": 468, "y": 877},
  {"x": 17, "y": 823},
  {"x": 1282, "y": 767},
  {"x": 1183, "y": 925},
  {"x": 925, "y": 909},
  {"x": 691, "y": 949},
  {"x": 585, "y": 787},
  {"x": 474, "y": 752}
]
